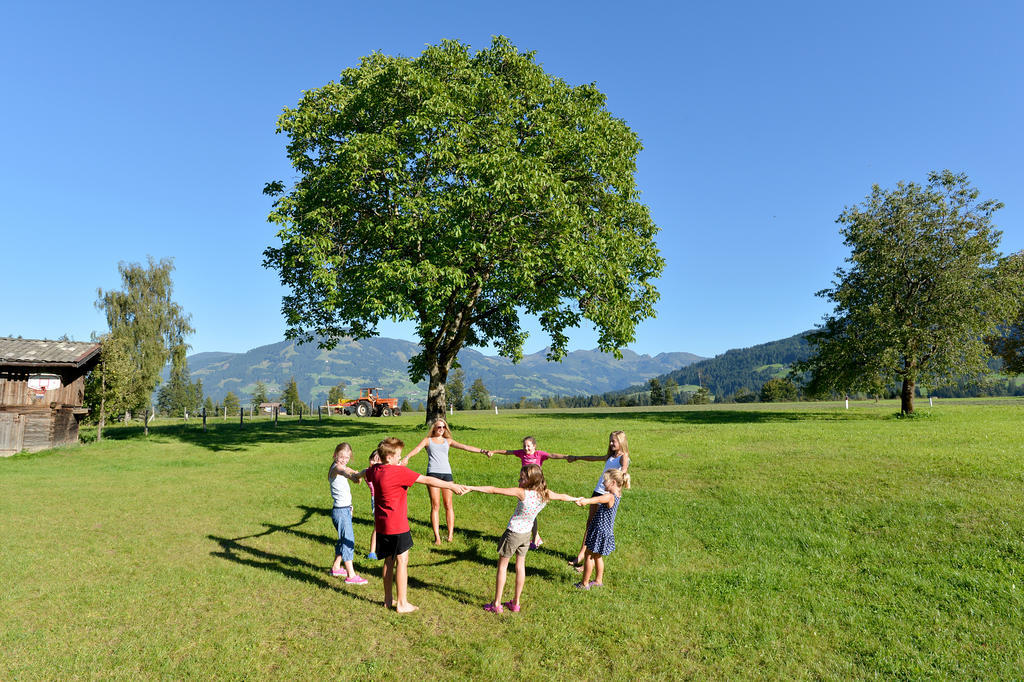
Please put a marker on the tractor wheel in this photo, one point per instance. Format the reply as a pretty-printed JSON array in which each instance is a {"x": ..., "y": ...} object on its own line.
[
  {"x": 385, "y": 411},
  {"x": 398, "y": 412},
  {"x": 363, "y": 409}
]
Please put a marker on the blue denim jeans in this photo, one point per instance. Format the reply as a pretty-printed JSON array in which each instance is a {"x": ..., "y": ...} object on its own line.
[{"x": 345, "y": 547}]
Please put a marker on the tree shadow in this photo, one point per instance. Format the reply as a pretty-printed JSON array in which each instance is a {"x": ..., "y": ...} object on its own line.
[
  {"x": 232, "y": 549},
  {"x": 720, "y": 416},
  {"x": 233, "y": 437}
]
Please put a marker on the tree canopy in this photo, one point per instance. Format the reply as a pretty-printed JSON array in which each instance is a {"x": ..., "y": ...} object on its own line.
[
  {"x": 459, "y": 191},
  {"x": 923, "y": 290}
]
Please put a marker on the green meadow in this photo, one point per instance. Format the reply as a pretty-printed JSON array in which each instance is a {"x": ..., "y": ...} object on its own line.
[{"x": 758, "y": 541}]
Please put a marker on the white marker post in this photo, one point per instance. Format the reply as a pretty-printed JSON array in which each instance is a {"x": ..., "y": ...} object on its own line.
[
  {"x": 847, "y": 403},
  {"x": 929, "y": 401},
  {"x": 495, "y": 409}
]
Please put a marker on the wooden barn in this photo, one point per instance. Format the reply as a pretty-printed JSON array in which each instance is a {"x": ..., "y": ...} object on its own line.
[{"x": 42, "y": 386}]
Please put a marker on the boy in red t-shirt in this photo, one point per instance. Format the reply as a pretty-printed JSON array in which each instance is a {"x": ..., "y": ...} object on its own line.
[{"x": 391, "y": 482}]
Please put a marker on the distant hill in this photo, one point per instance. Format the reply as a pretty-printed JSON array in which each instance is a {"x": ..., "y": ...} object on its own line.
[
  {"x": 740, "y": 367},
  {"x": 384, "y": 362}
]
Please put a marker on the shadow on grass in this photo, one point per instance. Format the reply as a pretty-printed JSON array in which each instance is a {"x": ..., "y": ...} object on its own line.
[
  {"x": 719, "y": 416},
  {"x": 228, "y": 436},
  {"x": 237, "y": 551}
]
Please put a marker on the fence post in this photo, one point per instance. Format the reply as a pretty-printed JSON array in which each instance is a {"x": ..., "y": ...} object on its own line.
[
  {"x": 145, "y": 422},
  {"x": 300, "y": 413},
  {"x": 319, "y": 415},
  {"x": 241, "y": 416},
  {"x": 275, "y": 416},
  {"x": 204, "y": 420}
]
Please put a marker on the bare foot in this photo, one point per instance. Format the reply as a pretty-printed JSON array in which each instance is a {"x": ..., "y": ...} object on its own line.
[
  {"x": 388, "y": 605},
  {"x": 406, "y": 608},
  {"x": 437, "y": 541},
  {"x": 450, "y": 538}
]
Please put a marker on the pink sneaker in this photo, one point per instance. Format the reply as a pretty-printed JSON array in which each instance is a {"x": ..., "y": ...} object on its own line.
[
  {"x": 511, "y": 606},
  {"x": 493, "y": 608},
  {"x": 339, "y": 572},
  {"x": 355, "y": 580}
]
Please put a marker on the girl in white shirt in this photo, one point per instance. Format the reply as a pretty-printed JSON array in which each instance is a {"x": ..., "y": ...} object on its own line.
[{"x": 533, "y": 495}]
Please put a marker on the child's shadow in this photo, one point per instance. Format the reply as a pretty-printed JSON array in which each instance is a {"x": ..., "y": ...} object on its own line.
[
  {"x": 292, "y": 567},
  {"x": 473, "y": 553}
]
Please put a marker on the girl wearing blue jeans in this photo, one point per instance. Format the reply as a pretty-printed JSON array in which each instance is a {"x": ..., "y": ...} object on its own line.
[{"x": 341, "y": 514}]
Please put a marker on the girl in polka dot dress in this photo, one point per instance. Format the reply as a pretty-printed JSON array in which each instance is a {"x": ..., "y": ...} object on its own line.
[
  {"x": 533, "y": 495},
  {"x": 600, "y": 540}
]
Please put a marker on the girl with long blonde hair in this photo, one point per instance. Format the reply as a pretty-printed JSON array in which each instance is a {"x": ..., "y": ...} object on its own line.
[{"x": 437, "y": 443}]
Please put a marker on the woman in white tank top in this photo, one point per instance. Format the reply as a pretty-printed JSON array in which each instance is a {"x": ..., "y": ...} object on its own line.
[{"x": 438, "y": 442}]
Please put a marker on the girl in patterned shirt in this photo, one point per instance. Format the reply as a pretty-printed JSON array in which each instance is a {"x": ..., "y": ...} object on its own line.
[
  {"x": 533, "y": 495},
  {"x": 600, "y": 540}
]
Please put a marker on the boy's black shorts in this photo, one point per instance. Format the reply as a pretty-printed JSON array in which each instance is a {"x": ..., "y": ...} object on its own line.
[{"x": 393, "y": 545}]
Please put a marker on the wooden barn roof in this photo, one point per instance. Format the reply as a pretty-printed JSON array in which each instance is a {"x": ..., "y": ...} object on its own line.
[{"x": 33, "y": 352}]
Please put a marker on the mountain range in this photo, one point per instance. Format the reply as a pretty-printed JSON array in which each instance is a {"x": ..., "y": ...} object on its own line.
[{"x": 384, "y": 362}]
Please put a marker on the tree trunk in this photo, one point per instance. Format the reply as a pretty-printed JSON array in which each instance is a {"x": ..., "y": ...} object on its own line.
[
  {"x": 103, "y": 402},
  {"x": 436, "y": 404},
  {"x": 907, "y": 397}
]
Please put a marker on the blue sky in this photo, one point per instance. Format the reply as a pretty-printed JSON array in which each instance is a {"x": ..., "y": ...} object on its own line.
[{"x": 135, "y": 129}]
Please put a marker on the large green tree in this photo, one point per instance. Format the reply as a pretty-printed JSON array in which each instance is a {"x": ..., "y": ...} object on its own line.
[
  {"x": 923, "y": 290},
  {"x": 146, "y": 330},
  {"x": 460, "y": 191}
]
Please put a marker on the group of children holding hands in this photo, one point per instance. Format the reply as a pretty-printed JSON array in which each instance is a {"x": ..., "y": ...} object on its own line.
[{"x": 389, "y": 479}]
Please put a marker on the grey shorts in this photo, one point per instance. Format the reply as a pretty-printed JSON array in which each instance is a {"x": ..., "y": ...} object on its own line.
[{"x": 514, "y": 544}]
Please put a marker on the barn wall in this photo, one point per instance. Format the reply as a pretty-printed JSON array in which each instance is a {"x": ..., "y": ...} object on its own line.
[{"x": 14, "y": 390}]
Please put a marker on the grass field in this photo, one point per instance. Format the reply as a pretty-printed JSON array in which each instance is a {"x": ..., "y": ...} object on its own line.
[{"x": 758, "y": 541}]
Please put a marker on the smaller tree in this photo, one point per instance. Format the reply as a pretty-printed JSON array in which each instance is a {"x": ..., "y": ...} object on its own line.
[
  {"x": 925, "y": 287},
  {"x": 259, "y": 394},
  {"x": 231, "y": 403},
  {"x": 1009, "y": 344},
  {"x": 455, "y": 389},
  {"x": 670, "y": 389},
  {"x": 406, "y": 407},
  {"x": 479, "y": 396},
  {"x": 290, "y": 396},
  {"x": 744, "y": 395},
  {"x": 336, "y": 394},
  {"x": 778, "y": 390},
  {"x": 208, "y": 405},
  {"x": 657, "y": 392},
  {"x": 699, "y": 397}
]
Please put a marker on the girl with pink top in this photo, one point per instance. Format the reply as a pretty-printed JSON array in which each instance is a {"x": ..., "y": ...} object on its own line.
[
  {"x": 530, "y": 455},
  {"x": 533, "y": 495}
]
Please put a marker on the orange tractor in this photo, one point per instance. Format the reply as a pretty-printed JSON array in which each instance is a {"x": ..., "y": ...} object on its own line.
[{"x": 368, "y": 404}]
